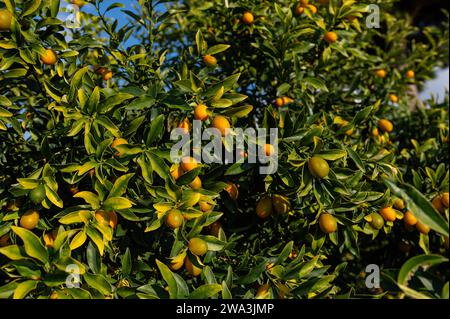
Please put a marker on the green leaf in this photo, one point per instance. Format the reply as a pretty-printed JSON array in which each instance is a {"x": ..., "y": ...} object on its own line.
[
  {"x": 117, "y": 203},
  {"x": 206, "y": 291},
  {"x": 332, "y": 155},
  {"x": 109, "y": 125},
  {"x": 96, "y": 238},
  {"x": 285, "y": 253},
  {"x": 98, "y": 282},
  {"x": 283, "y": 88},
  {"x": 5, "y": 113},
  {"x": 89, "y": 198},
  {"x": 94, "y": 98},
  {"x": 24, "y": 288},
  {"x": 356, "y": 159},
  {"x": 54, "y": 7},
  {"x": 413, "y": 293},
  {"x": 410, "y": 266},
  {"x": 217, "y": 49},
  {"x": 126, "y": 263},
  {"x": 28, "y": 183},
  {"x": 156, "y": 130},
  {"x": 33, "y": 245},
  {"x": 316, "y": 83},
  {"x": 120, "y": 185},
  {"x": 170, "y": 278},
  {"x": 240, "y": 111},
  {"x": 13, "y": 252},
  {"x": 362, "y": 115},
  {"x": 7, "y": 290},
  {"x": 53, "y": 197},
  {"x": 158, "y": 165},
  {"x": 31, "y": 7}
]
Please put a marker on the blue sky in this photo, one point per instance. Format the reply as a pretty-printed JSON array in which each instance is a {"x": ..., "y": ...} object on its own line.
[{"x": 437, "y": 86}]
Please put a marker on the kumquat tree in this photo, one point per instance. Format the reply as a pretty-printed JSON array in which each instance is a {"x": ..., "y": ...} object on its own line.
[{"x": 230, "y": 149}]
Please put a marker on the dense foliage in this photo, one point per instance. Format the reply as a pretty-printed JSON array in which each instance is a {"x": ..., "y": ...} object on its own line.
[{"x": 87, "y": 182}]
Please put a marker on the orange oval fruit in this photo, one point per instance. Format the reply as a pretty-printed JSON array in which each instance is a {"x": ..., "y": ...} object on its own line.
[
  {"x": 410, "y": 219},
  {"x": 49, "y": 57},
  {"x": 177, "y": 262},
  {"x": 201, "y": 112},
  {"x": 393, "y": 98},
  {"x": 269, "y": 149},
  {"x": 422, "y": 228},
  {"x": 196, "y": 183},
  {"x": 119, "y": 141},
  {"x": 386, "y": 125},
  {"x": 4, "y": 240},
  {"x": 221, "y": 123},
  {"x": 327, "y": 223},
  {"x": 107, "y": 75},
  {"x": 30, "y": 219},
  {"x": 205, "y": 206},
  {"x": 210, "y": 61},
  {"x": 176, "y": 172},
  {"x": 112, "y": 216},
  {"x": 380, "y": 73},
  {"x": 248, "y": 18},
  {"x": 79, "y": 3},
  {"x": 188, "y": 163},
  {"x": 388, "y": 214},
  {"x": 399, "y": 204},
  {"x": 437, "y": 204},
  {"x": 318, "y": 167},
  {"x": 377, "y": 221},
  {"x": 37, "y": 195},
  {"x": 198, "y": 246},
  {"x": 232, "y": 191},
  {"x": 264, "y": 207},
  {"x": 191, "y": 268},
  {"x": 281, "y": 204},
  {"x": 375, "y": 132},
  {"x": 410, "y": 74},
  {"x": 299, "y": 10},
  {"x": 279, "y": 102},
  {"x": 185, "y": 125},
  {"x": 312, "y": 8},
  {"x": 330, "y": 37},
  {"x": 174, "y": 219},
  {"x": 5, "y": 20},
  {"x": 214, "y": 228}
]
